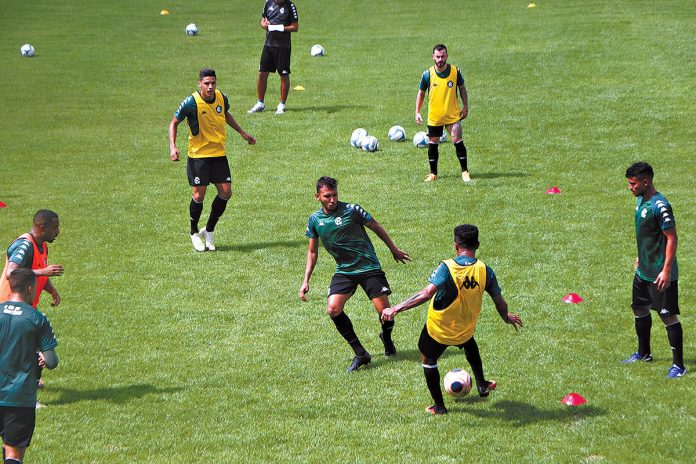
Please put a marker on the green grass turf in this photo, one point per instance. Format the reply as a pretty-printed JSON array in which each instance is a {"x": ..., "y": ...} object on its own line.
[{"x": 172, "y": 356}]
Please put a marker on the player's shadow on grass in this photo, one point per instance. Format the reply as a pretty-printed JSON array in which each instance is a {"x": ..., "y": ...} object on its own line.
[
  {"x": 495, "y": 175},
  {"x": 246, "y": 247},
  {"x": 520, "y": 414},
  {"x": 328, "y": 108},
  {"x": 118, "y": 395}
]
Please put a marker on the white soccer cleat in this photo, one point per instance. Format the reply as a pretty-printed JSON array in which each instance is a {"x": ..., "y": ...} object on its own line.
[
  {"x": 431, "y": 177},
  {"x": 208, "y": 237},
  {"x": 465, "y": 176},
  {"x": 257, "y": 108},
  {"x": 197, "y": 241},
  {"x": 280, "y": 109}
]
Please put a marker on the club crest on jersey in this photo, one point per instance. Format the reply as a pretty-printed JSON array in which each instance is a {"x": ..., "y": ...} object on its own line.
[
  {"x": 196, "y": 180},
  {"x": 450, "y": 84},
  {"x": 338, "y": 221},
  {"x": 218, "y": 109},
  {"x": 644, "y": 213},
  {"x": 282, "y": 10}
]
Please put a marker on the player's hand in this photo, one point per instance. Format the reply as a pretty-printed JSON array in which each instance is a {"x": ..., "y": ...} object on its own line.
[
  {"x": 401, "y": 256},
  {"x": 636, "y": 265},
  {"x": 250, "y": 140},
  {"x": 419, "y": 119},
  {"x": 464, "y": 112},
  {"x": 663, "y": 282},
  {"x": 388, "y": 314},
  {"x": 50, "y": 271},
  {"x": 174, "y": 154},
  {"x": 264, "y": 23},
  {"x": 55, "y": 298},
  {"x": 303, "y": 291},
  {"x": 514, "y": 320},
  {"x": 42, "y": 360}
]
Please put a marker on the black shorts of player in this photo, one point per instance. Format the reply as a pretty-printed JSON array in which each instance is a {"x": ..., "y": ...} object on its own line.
[
  {"x": 275, "y": 59},
  {"x": 431, "y": 348},
  {"x": 436, "y": 131},
  {"x": 205, "y": 171},
  {"x": 373, "y": 283},
  {"x": 17, "y": 425},
  {"x": 646, "y": 296}
]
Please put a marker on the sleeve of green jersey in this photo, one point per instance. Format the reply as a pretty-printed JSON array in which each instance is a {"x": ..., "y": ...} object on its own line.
[
  {"x": 186, "y": 108},
  {"x": 360, "y": 215},
  {"x": 460, "y": 79},
  {"x": 47, "y": 339},
  {"x": 425, "y": 81},
  {"x": 21, "y": 252},
  {"x": 227, "y": 103},
  {"x": 311, "y": 231},
  {"x": 492, "y": 286}
]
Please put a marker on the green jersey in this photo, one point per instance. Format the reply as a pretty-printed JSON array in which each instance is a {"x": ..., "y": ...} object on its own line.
[
  {"x": 652, "y": 217},
  {"x": 342, "y": 232},
  {"x": 23, "y": 332}
]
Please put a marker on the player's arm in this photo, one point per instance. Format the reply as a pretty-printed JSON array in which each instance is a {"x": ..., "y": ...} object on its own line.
[
  {"x": 398, "y": 254},
  {"x": 502, "y": 307},
  {"x": 173, "y": 150},
  {"x": 464, "y": 112},
  {"x": 416, "y": 300},
  {"x": 663, "y": 280},
  {"x": 233, "y": 124},
  {"x": 48, "y": 359},
  {"x": 49, "y": 288},
  {"x": 48, "y": 271},
  {"x": 420, "y": 98},
  {"x": 312, "y": 255}
]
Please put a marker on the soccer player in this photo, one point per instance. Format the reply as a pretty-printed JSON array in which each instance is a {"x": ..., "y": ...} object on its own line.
[
  {"x": 279, "y": 19},
  {"x": 23, "y": 330},
  {"x": 207, "y": 110},
  {"x": 341, "y": 228},
  {"x": 455, "y": 292},
  {"x": 442, "y": 81},
  {"x": 655, "y": 285}
]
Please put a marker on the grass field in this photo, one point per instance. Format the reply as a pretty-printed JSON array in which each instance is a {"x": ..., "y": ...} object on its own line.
[{"x": 172, "y": 356}]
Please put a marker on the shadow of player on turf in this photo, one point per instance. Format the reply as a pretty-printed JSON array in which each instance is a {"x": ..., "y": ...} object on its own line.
[
  {"x": 520, "y": 414},
  {"x": 246, "y": 247},
  {"x": 118, "y": 395}
]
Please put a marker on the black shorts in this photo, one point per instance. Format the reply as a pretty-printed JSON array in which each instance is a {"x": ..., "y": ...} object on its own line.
[
  {"x": 436, "y": 131},
  {"x": 275, "y": 59},
  {"x": 646, "y": 296},
  {"x": 205, "y": 171},
  {"x": 17, "y": 425},
  {"x": 374, "y": 284},
  {"x": 431, "y": 348}
]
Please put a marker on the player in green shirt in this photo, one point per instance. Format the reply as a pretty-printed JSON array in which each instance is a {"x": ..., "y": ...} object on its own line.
[
  {"x": 655, "y": 285},
  {"x": 23, "y": 331},
  {"x": 341, "y": 229}
]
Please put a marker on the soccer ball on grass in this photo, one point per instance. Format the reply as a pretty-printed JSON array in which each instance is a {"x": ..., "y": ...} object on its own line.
[
  {"x": 457, "y": 383},
  {"x": 357, "y": 136},
  {"x": 317, "y": 50},
  {"x": 191, "y": 30},
  {"x": 397, "y": 134},
  {"x": 370, "y": 143},
  {"x": 27, "y": 50},
  {"x": 420, "y": 140}
]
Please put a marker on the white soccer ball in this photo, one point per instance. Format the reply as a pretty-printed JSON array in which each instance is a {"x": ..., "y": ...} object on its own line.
[
  {"x": 397, "y": 134},
  {"x": 27, "y": 50},
  {"x": 357, "y": 136},
  {"x": 443, "y": 139},
  {"x": 317, "y": 50},
  {"x": 420, "y": 140},
  {"x": 370, "y": 143},
  {"x": 191, "y": 29},
  {"x": 457, "y": 383}
]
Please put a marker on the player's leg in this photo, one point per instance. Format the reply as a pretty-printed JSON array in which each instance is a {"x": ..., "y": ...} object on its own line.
[
  {"x": 641, "y": 303},
  {"x": 283, "y": 65},
  {"x": 220, "y": 176},
  {"x": 431, "y": 350},
  {"x": 17, "y": 430},
  {"x": 434, "y": 134},
  {"x": 377, "y": 289},
  {"x": 471, "y": 351},
  {"x": 455, "y": 131},
  {"x": 340, "y": 290},
  {"x": 668, "y": 310},
  {"x": 197, "y": 170}
]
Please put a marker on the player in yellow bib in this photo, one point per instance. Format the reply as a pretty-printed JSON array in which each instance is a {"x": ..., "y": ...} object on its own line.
[
  {"x": 455, "y": 292},
  {"x": 208, "y": 114},
  {"x": 442, "y": 82}
]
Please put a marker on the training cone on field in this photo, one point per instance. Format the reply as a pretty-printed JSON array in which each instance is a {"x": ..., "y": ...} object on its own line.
[
  {"x": 572, "y": 298},
  {"x": 164, "y": 12},
  {"x": 573, "y": 399},
  {"x": 553, "y": 191},
  {"x": 299, "y": 87},
  {"x": 531, "y": 5},
  {"x": 2, "y": 205}
]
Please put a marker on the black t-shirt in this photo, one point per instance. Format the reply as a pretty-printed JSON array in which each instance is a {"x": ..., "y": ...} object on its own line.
[{"x": 284, "y": 14}]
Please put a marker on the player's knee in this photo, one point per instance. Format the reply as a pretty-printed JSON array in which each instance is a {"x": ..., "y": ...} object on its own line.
[
  {"x": 669, "y": 319},
  {"x": 641, "y": 312},
  {"x": 456, "y": 140},
  {"x": 333, "y": 311}
]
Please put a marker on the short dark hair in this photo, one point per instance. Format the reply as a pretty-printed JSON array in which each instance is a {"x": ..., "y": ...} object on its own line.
[
  {"x": 21, "y": 279},
  {"x": 641, "y": 169},
  {"x": 439, "y": 48},
  {"x": 44, "y": 216},
  {"x": 328, "y": 182},
  {"x": 206, "y": 72},
  {"x": 466, "y": 236}
]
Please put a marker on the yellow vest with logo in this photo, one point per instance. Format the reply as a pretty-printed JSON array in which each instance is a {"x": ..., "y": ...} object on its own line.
[
  {"x": 212, "y": 129},
  {"x": 442, "y": 98},
  {"x": 456, "y": 323}
]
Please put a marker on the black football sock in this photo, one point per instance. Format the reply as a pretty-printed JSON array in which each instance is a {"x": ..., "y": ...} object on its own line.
[
  {"x": 433, "y": 155},
  {"x": 216, "y": 211},
  {"x": 387, "y": 327},
  {"x": 195, "y": 210},
  {"x": 461, "y": 154},
  {"x": 474, "y": 357},
  {"x": 432, "y": 379},
  {"x": 675, "y": 335},
  {"x": 12, "y": 461},
  {"x": 345, "y": 328},
  {"x": 643, "y": 325}
]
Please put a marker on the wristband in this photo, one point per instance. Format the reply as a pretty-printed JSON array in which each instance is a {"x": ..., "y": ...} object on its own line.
[{"x": 276, "y": 27}]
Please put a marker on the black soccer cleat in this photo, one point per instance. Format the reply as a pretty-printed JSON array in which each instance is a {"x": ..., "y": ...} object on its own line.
[
  {"x": 362, "y": 360},
  {"x": 485, "y": 390},
  {"x": 389, "y": 348}
]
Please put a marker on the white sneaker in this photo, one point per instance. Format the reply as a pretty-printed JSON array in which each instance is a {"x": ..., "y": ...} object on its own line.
[
  {"x": 208, "y": 237},
  {"x": 257, "y": 108},
  {"x": 465, "y": 176},
  {"x": 281, "y": 108},
  {"x": 198, "y": 244}
]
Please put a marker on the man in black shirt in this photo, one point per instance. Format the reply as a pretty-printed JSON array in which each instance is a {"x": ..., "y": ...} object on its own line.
[{"x": 279, "y": 19}]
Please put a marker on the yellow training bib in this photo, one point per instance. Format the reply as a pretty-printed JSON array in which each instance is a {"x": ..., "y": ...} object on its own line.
[
  {"x": 212, "y": 130},
  {"x": 442, "y": 98}
]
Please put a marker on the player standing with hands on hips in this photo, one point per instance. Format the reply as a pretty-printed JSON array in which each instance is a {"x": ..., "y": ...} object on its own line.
[
  {"x": 455, "y": 292},
  {"x": 279, "y": 19},
  {"x": 207, "y": 111},
  {"x": 655, "y": 285},
  {"x": 442, "y": 82}
]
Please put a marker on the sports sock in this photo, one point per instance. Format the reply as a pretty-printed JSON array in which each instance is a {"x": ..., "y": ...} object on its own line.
[
  {"x": 675, "y": 335},
  {"x": 433, "y": 155},
  {"x": 216, "y": 211},
  {"x": 461, "y": 154},
  {"x": 432, "y": 380},
  {"x": 12, "y": 461},
  {"x": 474, "y": 357},
  {"x": 387, "y": 327},
  {"x": 643, "y": 325},
  {"x": 195, "y": 210},
  {"x": 345, "y": 328}
]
